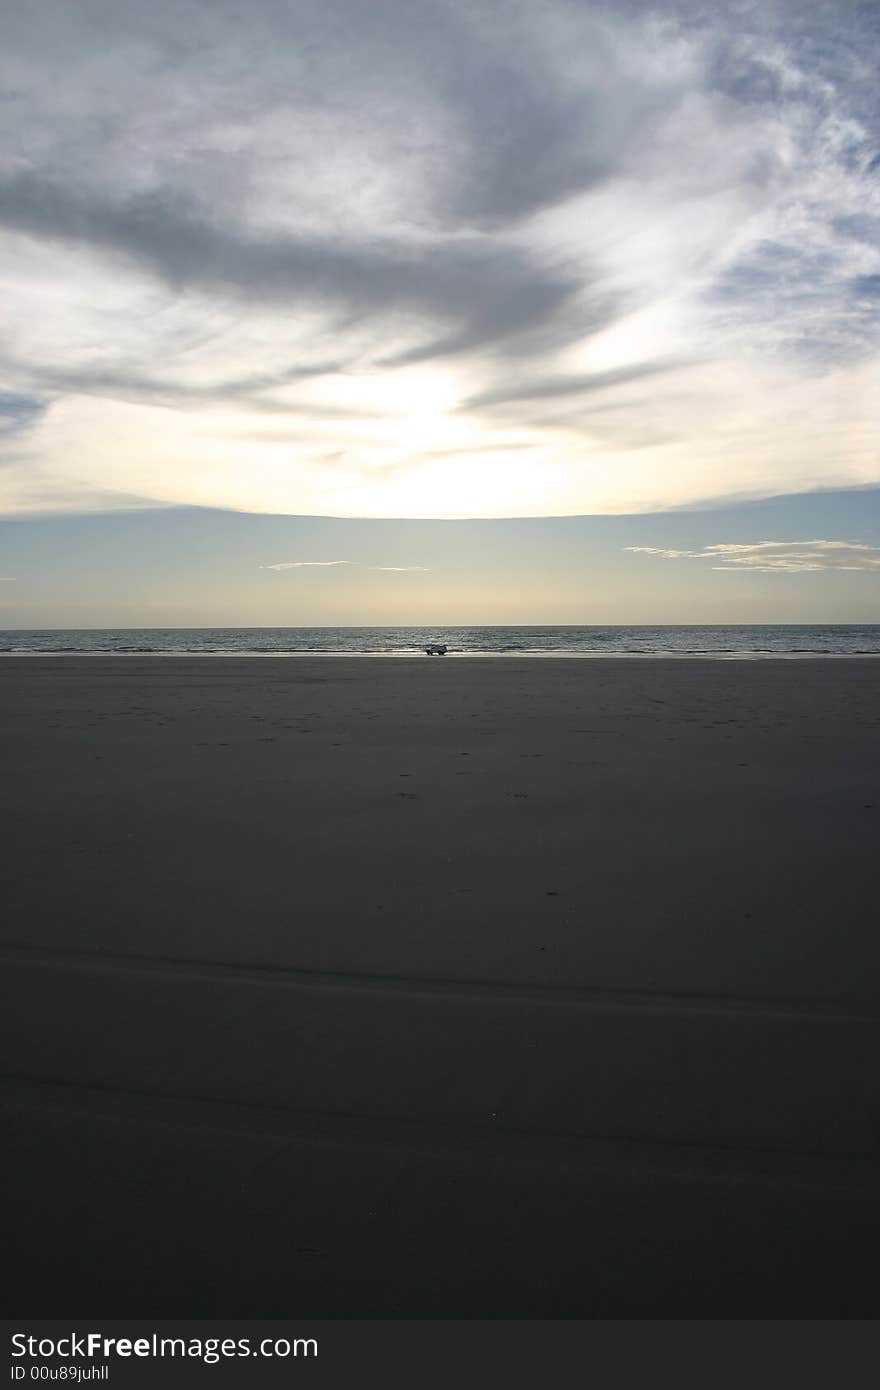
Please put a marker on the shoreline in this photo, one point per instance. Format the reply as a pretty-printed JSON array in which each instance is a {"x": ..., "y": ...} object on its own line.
[{"x": 467, "y": 656}]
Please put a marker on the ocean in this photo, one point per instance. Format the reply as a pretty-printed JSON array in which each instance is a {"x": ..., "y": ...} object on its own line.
[{"x": 724, "y": 642}]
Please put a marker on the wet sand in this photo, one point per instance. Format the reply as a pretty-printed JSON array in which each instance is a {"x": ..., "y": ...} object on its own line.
[{"x": 441, "y": 988}]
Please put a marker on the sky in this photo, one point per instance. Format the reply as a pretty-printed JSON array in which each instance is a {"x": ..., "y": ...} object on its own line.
[
  {"x": 784, "y": 560},
  {"x": 554, "y": 276}
]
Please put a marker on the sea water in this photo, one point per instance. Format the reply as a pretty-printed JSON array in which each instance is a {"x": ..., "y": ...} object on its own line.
[{"x": 729, "y": 641}]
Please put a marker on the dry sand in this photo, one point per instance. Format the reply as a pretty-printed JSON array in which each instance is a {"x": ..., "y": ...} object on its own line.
[{"x": 441, "y": 988}]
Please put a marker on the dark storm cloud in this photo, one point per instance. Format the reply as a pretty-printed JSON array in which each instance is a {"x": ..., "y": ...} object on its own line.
[
  {"x": 153, "y": 388},
  {"x": 536, "y": 389},
  {"x": 490, "y": 293},
  {"x": 18, "y": 413}
]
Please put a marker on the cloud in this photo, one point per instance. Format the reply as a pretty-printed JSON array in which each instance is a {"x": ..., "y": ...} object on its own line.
[
  {"x": 778, "y": 557},
  {"x": 18, "y": 413},
  {"x": 329, "y": 564},
  {"x": 490, "y": 293},
  {"x": 535, "y": 389},
  {"x": 305, "y": 564},
  {"x": 637, "y": 245}
]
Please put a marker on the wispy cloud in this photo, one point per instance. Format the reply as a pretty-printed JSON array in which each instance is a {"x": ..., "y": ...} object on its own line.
[
  {"x": 305, "y": 564},
  {"x": 329, "y": 564},
  {"x": 777, "y": 557}
]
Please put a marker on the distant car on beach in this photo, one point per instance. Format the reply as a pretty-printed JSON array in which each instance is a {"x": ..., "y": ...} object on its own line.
[{"x": 436, "y": 649}]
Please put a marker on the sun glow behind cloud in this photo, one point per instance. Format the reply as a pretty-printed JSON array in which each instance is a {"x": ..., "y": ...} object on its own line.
[{"x": 588, "y": 259}]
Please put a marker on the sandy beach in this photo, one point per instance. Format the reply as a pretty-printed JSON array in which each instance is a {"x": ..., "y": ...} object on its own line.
[{"x": 487, "y": 988}]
